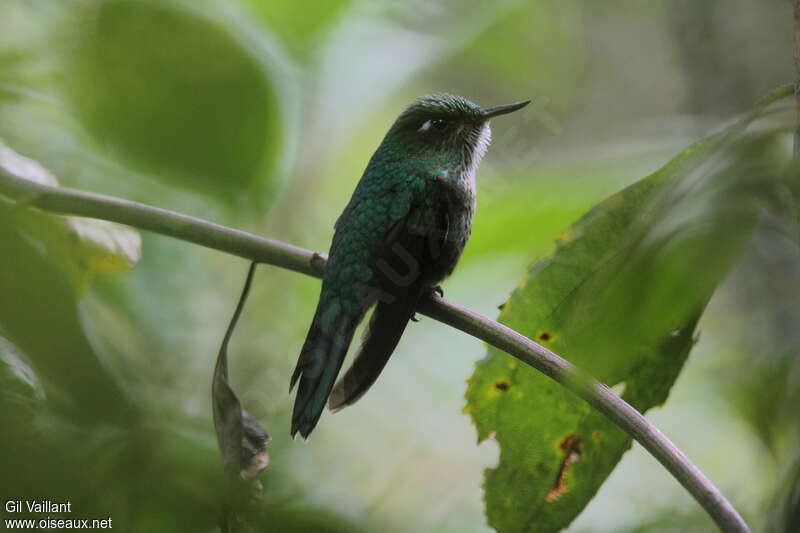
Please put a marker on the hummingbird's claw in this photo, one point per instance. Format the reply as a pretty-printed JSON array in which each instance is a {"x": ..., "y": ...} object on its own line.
[
  {"x": 318, "y": 262},
  {"x": 414, "y": 318},
  {"x": 438, "y": 290}
]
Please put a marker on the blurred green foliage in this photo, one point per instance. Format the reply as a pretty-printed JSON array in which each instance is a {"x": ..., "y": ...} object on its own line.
[
  {"x": 175, "y": 94},
  {"x": 262, "y": 115}
]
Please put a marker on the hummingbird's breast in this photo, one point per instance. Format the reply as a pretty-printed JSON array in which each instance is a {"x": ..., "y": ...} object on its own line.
[{"x": 456, "y": 192}]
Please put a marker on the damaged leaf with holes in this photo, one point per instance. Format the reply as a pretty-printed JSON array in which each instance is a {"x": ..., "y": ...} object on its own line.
[{"x": 621, "y": 298}]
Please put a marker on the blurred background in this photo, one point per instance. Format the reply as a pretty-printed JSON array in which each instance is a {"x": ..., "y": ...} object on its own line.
[{"x": 262, "y": 115}]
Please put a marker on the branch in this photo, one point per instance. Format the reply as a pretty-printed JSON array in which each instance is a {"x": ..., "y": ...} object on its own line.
[
  {"x": 67, "y": 201},
  {"x": 797, "y": 75}
]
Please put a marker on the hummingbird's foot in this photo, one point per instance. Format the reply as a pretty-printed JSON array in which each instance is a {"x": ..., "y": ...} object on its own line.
[
  {"x": 438, "y": 290},
  {"x": 414, "y": 318},
  {"x": 318, "y": 262}
]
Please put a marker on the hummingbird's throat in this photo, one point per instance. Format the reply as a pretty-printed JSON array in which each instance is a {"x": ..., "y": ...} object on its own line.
[{"x": 478, "y": 149}]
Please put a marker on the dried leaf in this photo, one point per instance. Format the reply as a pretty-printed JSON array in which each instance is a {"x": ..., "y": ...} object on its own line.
[{"x": 242, "y": 441}]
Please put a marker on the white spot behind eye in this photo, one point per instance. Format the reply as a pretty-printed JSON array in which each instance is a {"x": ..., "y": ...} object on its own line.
[{"x": 425, "y": 126}]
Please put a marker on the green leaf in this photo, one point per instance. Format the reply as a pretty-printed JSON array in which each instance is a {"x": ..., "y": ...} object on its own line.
[
  {"x": 179, "y": 92},
  {"x": 620, "y": 297},
  {"x": 291, "y": 23},
  {"x": 47, "y": 261},
  {"x": 39, "y": 314},
  {"x": 21, "y": 390},
  {"x": 83, "y": 247},
  {"x": 784, "y": 513}
]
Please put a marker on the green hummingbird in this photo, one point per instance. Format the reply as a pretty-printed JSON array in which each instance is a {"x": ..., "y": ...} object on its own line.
[{"x": 400, "y": 235}]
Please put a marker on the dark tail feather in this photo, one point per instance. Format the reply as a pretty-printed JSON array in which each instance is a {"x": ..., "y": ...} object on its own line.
[
  {"x": 318, "y": 365},
  {"x": 386, "y": 326}
]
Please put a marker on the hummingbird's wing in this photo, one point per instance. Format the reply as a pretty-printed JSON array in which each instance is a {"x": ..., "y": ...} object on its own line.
[
  {"x": 351, "y": 285},
  {"x": 372, "y": 259},
  {"x": 403, "y": 268}
]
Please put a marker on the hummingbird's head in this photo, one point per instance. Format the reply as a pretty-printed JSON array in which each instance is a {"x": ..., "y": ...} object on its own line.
[{"x": 447, "y": 128}]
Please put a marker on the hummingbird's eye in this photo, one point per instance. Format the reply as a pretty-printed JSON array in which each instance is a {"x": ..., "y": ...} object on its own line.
[{"x": 435, "y": 124}]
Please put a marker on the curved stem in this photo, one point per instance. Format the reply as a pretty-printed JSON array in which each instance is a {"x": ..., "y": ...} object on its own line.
[
  {"x": 797, "y": 75},
  {"x": 67, "y": 201},
  {"x": 598, "y": 396}
]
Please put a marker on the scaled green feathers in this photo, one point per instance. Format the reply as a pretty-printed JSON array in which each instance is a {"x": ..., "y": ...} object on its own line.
[{"x": 401, "y": 234}]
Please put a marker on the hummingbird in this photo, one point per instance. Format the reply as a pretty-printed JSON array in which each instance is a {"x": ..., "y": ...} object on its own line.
[{"x": 401, "y": 234}]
